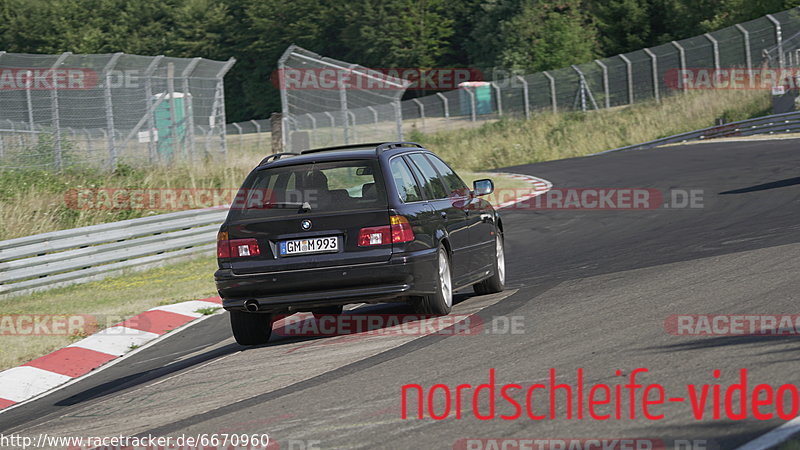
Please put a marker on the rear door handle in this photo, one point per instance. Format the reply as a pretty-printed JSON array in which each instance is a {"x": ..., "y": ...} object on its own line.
[{"x": 443, "y": 214}]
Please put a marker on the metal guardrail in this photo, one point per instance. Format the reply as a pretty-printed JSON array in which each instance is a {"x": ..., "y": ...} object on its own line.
[
  {"x": 78, "y": 255},
  {"x": 774, "y": 124}
]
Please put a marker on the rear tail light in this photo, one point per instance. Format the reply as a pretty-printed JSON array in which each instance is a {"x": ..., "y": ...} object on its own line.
[
  {"x": 397, "y": 232},
  {"x": 236, "y": 248},
  {"x": 401, "y": 229}
]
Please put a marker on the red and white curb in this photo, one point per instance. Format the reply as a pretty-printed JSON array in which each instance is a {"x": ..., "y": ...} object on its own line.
[
  {"x": 538, "y": 187},
  {"x": 36, "y": 377}
]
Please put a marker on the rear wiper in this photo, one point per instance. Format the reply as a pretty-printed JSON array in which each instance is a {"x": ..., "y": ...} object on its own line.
[
  {"x": 305, "y": 207},
  {"x": 280, "y": 205}
]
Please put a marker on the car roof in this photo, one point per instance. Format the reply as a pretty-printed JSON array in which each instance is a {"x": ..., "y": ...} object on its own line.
[{"x": 349, "y": 152}]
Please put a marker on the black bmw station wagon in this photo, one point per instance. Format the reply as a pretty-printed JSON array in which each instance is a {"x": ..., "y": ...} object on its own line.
[{"x": 366, "y": 223}]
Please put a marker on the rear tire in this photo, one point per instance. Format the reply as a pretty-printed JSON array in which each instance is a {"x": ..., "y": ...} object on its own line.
[
  {"x": 327, "y": 311},
  {"x": 441, "y": 302},
  {"x": 251, "y": 328},
  {"x": 497, "y": 282}
]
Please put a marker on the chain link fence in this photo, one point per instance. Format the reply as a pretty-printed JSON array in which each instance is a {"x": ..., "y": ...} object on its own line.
[
  {"x": 318, "y": 117},
  {"x": 68, "y": 110}
]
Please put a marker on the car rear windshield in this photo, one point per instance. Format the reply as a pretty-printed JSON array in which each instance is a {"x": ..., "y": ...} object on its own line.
[{"x": 314, "y": 187}]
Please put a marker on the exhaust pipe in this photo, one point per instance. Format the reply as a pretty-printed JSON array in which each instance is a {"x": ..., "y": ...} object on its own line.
[{"x": 251, "y": 305}]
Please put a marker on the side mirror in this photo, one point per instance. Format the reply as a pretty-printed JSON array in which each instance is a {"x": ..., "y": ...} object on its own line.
[{"x": 482, "y": 187}]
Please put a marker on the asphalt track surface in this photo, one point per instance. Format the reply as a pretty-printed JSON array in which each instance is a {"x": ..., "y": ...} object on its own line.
[{"x": 593, "y": 287}]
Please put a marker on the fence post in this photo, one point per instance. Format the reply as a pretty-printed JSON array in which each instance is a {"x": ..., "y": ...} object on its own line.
[
  {"x": 111, "y": 143},
  {"x": 421, "y": 110},
  {"x": 715, "y": 47},
  {"x": 584, "y": 89},
  {"x": 398, "y": 117},
  {"x": 188, "y": 107},
  {"x": 525, "y": 100},
  {"x": 172, "y": 115},
  {"x": 497, "y": 94},
  {"x": 88, "y": 140},
  {"x": 29, "y": 100},
  {"x": 241, "y": 138},
  {"x": 55, "y": 115},
  {"x": 205, "y": 140},
  {"x": 682, "y": 64},
  {"x": 553, "y": 99},
  {"x": 471, "y": 94},
  {"x": 374, "y": 114},
  {"x": 352, "y": 115},
  {"x": 221, "y": 94},
  {"x": 606, "y": 92},
  {"x": 444, "y": 104},
  {"x": 778, "y": 38},
  {"x": 629, "y": 69},
  {"x": 258, "y": 133},
  {"x": 746, "y": 36},
  {"x": 332, "y": 127},
  {"x": 313, "y": 129},
  {"x": 654, "y": 67},
  {"x": 148, "y": 91}
]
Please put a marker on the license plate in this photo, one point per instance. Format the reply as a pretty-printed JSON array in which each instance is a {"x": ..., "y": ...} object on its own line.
[{"x": 306, "y": 246}]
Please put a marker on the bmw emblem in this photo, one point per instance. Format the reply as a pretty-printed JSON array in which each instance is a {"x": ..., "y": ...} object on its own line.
[{"x": 305, "y": 224}]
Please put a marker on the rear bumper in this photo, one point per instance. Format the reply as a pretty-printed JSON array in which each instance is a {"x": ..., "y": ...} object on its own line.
[{"x": 298, "y": 290}]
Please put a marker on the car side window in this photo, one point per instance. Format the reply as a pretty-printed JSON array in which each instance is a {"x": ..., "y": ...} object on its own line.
[
  {"x": 454, "y": 183},
  {"x": 406, "y": 185},
  {"x": 426, "y": 188},
  {"x": 432, "y": 180}
]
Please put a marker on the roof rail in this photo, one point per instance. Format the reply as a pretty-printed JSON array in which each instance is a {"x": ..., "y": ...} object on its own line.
[
  {"x": 390, "y": 145},
  {"x": 342, "y": 147},
  {"x": 276, "y": 156}
]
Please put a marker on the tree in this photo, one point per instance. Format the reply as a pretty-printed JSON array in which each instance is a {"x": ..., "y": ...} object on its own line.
[
  {"x": 623, "y": 25},
  {"x": 546, "y": 36}
]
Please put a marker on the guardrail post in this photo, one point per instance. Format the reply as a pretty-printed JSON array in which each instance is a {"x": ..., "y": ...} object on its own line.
[
  {"x": 526, "y": 101},
  {"x": 444, "y": 105},
  {"x": 55, "y": 115},
  {"x": 629, "y": 68},
  {"x": 188, "y": 108},
  {"x": 778, "y": 38},
  {"x": 499, "y": 99},
  {"x": 421, "y": 108},
  {"x": 746, "y": 37},
  {"x": 258, "y": 133},
  {"x": 606, "y": 92},
  {"x": 112, "y": 146},
  {"x": 654, "y": 67},
  {"x": 715, "y": 47},
  {"x": 553, "y": 99},
  {"x": 682, "y": 62}
]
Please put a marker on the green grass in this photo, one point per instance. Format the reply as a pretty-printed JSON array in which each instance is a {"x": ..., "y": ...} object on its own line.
[
  {"x": 33, "y": 201},
  {"x": 551, "y": 136},
  {"x": 111, "y": 301}
]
